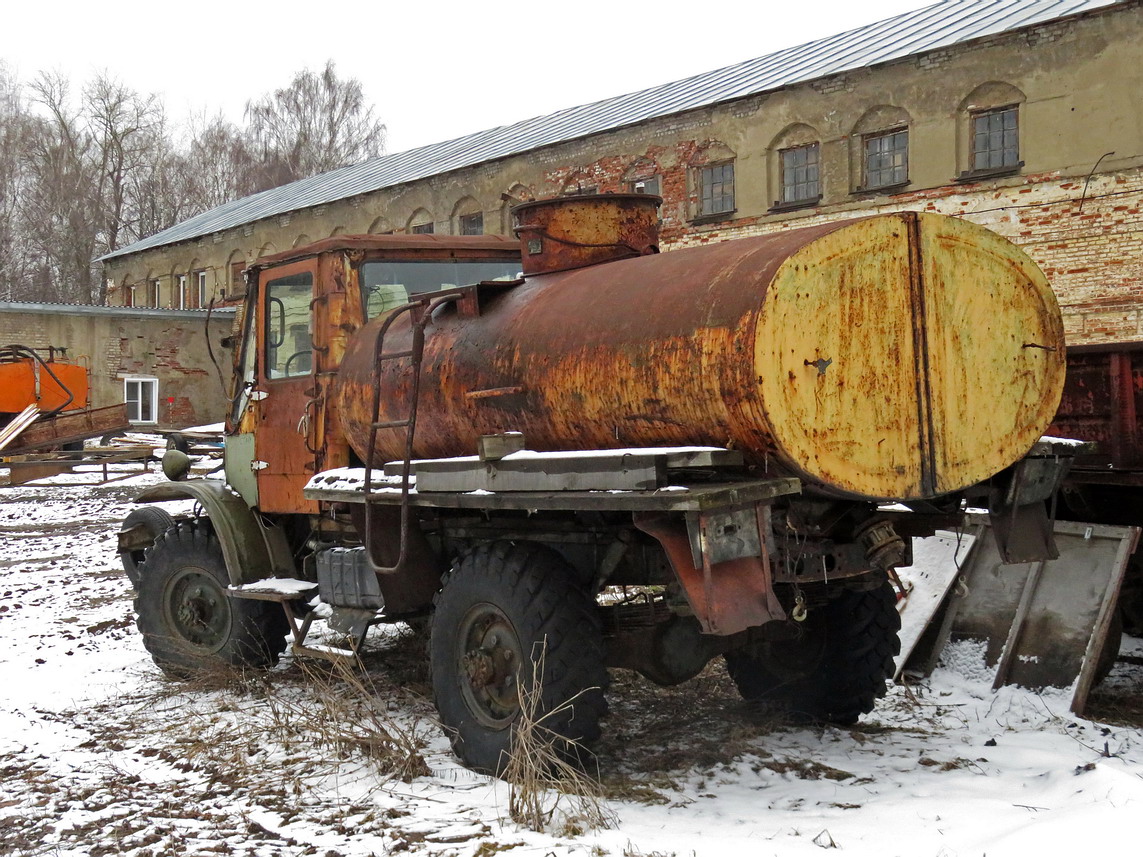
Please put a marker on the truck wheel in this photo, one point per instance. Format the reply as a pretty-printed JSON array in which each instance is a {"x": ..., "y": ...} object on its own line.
[
  {"x": 156, "y": 521},
  {"x": 500, "y": 608},
  {"x": 836, "y": 670},
  {"x": 188, "y": 621}
]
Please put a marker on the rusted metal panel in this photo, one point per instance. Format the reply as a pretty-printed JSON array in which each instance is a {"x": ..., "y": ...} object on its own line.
[
  {"x": 284, "y": 460},
  {"x": 422, "y": 246},
  {"x": 1103, "y": 402},
  {"x": 726, "y": 597},
  {"x": 576, "y": 231},
  {"x": 293, "y": 414},
  {"x": 799, "y": 349}
]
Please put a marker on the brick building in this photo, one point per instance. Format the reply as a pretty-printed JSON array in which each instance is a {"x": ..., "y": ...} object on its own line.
[
  {"x": 156, "y": 360},
  {"x": 1021, "y": 115}
]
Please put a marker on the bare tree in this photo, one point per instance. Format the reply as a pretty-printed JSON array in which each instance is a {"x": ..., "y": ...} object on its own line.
[
  {"x": 316, "y": 124},
  {"x": 13, "y": 140},
  {"x": 219, "y": 164},
  {"x": 128, "y": 134},
  {"x": 83, "y": 176},
  {"x": 59, "y": 225}
]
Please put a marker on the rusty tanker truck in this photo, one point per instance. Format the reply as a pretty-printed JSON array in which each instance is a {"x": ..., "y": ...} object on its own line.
[{"x": 572, "y": 453}]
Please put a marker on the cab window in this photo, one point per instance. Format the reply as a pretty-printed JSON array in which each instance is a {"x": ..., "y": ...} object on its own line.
[
  {"x": 289, "y": 339},
  {"x": 389, "y": 284}
]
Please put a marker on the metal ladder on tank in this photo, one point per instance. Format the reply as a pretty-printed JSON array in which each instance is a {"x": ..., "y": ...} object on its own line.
[{"x": 421, "y": 313}]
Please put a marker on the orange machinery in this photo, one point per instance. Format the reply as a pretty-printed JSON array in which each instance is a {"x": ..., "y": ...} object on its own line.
[{"x": 53, "y": 385}]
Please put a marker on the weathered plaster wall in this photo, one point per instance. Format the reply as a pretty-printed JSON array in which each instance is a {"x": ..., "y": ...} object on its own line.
[
  {"x": 116, "y": 343},
  {"x": 1074, "y": 204}
]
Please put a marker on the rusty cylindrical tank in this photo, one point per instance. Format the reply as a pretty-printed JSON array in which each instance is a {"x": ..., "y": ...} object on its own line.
[{"x": 901, "y": 356}]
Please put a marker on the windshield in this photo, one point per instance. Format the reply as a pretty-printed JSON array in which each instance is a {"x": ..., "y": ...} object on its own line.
[{"x": 387, "y": 285}]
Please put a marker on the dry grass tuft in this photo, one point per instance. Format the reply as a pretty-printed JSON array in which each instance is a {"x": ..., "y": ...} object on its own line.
[
  {"x": 548, "y": 791},
  {"x": 349, "y": 715}
]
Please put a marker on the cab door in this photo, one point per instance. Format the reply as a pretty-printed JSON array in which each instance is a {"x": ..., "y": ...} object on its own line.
[{"x": 283, "y": 390}]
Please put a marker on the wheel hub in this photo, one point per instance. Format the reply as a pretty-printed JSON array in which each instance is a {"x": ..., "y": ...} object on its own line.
[
  {"x": 198, "y": 609},
  {"x": 490, "y": 658}
]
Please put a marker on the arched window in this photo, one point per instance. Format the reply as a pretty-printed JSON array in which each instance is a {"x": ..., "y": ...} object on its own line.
[
  {"x": 467, "y": 217},
  {"x": 794, "y": 167},
  {"x": 515, "y": 195},
  {"x": 420, "y": 223},
  {"x": 178, "y": 290},
  {"x": 879, "y": 150},
  {"x": 988, "y": 131},
  {"x": 380, "y": 225},
  {"x": 197, "y": 287},
  {"x": 235, "y": 265},
  {"x": 153, "y": 290},
  {"x": 579, "y": 182},
  {"x": 643, "y": 177},
  {"x": 711, "y": 180},
  {"x": 300, "y": 240}
]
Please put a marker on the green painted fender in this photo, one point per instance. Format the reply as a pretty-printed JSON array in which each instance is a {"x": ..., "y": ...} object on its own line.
[{"x": 252, "y": 548}]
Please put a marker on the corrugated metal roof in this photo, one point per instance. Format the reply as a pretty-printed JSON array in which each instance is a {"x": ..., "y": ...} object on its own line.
[{"x": 946, "y": 23}]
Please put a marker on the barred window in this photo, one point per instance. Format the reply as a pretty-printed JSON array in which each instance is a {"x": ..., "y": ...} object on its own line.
[
  {"x": 716, "y": 188},
  {"x": 800, "y": 182},
  {"x": 995, "y": 139},
  {"x": 472, "y": 224},
  {"x": 887, "y": 159}
]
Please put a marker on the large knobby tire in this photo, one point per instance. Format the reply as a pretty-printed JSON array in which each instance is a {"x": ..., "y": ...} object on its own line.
[
  {"x": 836, "y": 670},
  {"x": 500, "y": 608},
  {"x": 156, "y": 521},
  {"x": 188, "y": 621}
]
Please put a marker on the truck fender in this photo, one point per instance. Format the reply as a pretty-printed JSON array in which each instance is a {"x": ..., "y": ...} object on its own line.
[{"x": 252, "y": 548}]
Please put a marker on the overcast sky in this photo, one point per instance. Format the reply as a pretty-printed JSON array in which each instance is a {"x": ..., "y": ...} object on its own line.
[{"x": 433, "y": 70}]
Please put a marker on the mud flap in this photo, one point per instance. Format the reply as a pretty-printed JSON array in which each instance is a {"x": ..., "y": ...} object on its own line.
[{"x": 727, "y": 593}]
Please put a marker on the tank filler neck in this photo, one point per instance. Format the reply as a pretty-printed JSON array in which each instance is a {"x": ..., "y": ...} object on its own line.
[{"x": 568, "y": 232}]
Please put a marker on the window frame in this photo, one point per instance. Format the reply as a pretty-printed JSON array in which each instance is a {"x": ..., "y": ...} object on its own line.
[
  {"x": 871, "y": 137},
  {"x": 633, "y": 185},
  {"x": 974, "y": 116},
  {"x": 466, "y": 223},
  {"x": 784, "y": 202},
  {"x": 144, "y": 382},
  {"x": 702, "y": 183},
  {"x": 200, "y": 284},
  {"x": 237, "y": 280},
  {"x": 181, "y": 288},
  {"x": 304, "y": 278},
  {"x": 422, "y": 228}
]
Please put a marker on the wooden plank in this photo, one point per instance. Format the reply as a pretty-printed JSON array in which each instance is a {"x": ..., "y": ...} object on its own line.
[
  {"x": 20, "y": 422},
  {"x": 589, "y": 470},
  {"x": 71, "y": 427},
  {"x": 685, "y": 499}
]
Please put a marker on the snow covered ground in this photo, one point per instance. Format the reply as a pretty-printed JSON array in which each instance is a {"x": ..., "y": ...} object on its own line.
[{"x": 100, "y": 755}]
